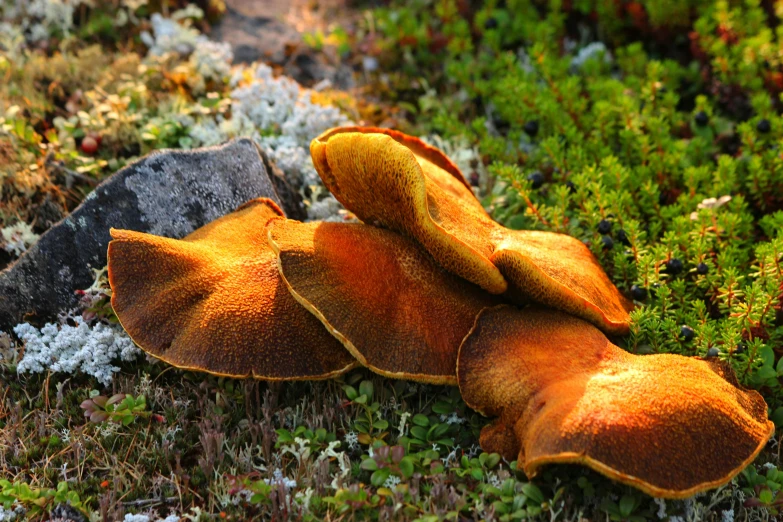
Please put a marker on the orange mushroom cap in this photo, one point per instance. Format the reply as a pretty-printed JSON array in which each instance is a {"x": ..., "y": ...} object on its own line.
[
  {"x": 396, "y": 181},
  {"x": 214, "y": 302},
  {"x": 669, "y": 425},
  {"x": 381, "y": 295}
]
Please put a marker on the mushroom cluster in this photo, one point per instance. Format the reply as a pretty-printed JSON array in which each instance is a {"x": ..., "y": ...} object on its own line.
[{"x": 429, "y": 288}]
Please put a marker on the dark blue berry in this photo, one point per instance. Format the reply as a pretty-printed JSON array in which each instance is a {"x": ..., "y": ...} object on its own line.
[
  {"x": 604, "y": 226},
  {"x": 687, "y": 333},
  {"x": 701, "y": 118},
  {"x": 741, "y": 347},
  {"x": 491, "y": 23},
  {"x": 531, "y": 128},
  {"x": 702, "y": 268},
  {"x": 536, "y": 179},
  {"x": 474, "y": 179},
  {"x": 763, "y": 126},
  {"x": 571, "y": 187},
  {"x": 622, "y": 237},
  {"x": 607, "y": 243},
  {"x": 674, "y": 266},
  {"x": 713, "y": 352},
  {"x": 638, "y": 293}
]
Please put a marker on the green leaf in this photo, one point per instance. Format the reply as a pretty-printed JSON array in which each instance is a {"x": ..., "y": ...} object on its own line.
[
  {"x": 777, "y": 417},
  {"x": 421, "y": 420},
  {"x": 419, "y": 432},
  {"x": 493, "y": 460},
  {"x": 365, "y": 388},
  {"x": 350, "y": 392},
  {"x": 438, "y": 431},
  {"x": 369, "y": 464},
  {"x": 765, "y": 496},
  {"x": 380, "y": 424},
  {"x": 284, "y": 436},
  {"x": 443, "y": 408},
  {"x": 627, "y": 505},
  {"x": 407, "y": 467},
  {"x": 766, "y": 372},
  {"x": 379, "y": 476},
  {"x": 767, "y": 356},
  {"x": 361, "y": 399},
  {"x": 532, "y": 492}
]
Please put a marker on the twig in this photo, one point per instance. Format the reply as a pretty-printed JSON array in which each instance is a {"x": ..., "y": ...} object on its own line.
[
  {"x": 148, "y": 501},
  {"x": 70, "y": 174}
]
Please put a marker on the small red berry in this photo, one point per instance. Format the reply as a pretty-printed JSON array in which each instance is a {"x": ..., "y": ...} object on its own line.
[{"x": 89, "y": 145}]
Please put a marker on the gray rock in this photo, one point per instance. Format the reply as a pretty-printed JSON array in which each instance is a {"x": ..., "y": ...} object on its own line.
[
  {"x": 258, "y": 31},
  {"x": 169, "y": 193}
]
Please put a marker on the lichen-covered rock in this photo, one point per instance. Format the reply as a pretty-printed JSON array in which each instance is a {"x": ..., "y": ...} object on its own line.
[{"x": 168, "y": 193}]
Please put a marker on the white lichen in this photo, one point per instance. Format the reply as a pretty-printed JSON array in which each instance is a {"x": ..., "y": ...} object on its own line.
[
  {"x": 661, "y": 513},
  {"x": 65, "y": 348},
  {"x": 136, "y": 518},
  {"x": 170, "y": 36},
  {"x": 212, "y": 62},
  {"x": 352, "y": 439},
  {"x": 39, "y": 20},
  {"x": 595, "y": 50},
  {"x": 12, "y": 514},
  {"x": 17, "y": 238},
  {"x": 279, "y": 479},
  {"x": 391, "y": 482}
]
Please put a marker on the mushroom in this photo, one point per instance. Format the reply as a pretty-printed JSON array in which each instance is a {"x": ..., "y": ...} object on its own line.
[
  {"x": 214, "y": 302},
  {"x": 396, "y": 310},
  {"x": 669, "y": 425},
  {"x": 396, "y": 181}
]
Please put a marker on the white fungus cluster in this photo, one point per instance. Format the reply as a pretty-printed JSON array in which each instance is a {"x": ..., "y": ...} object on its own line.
[{"x": 65, "y": 348}]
